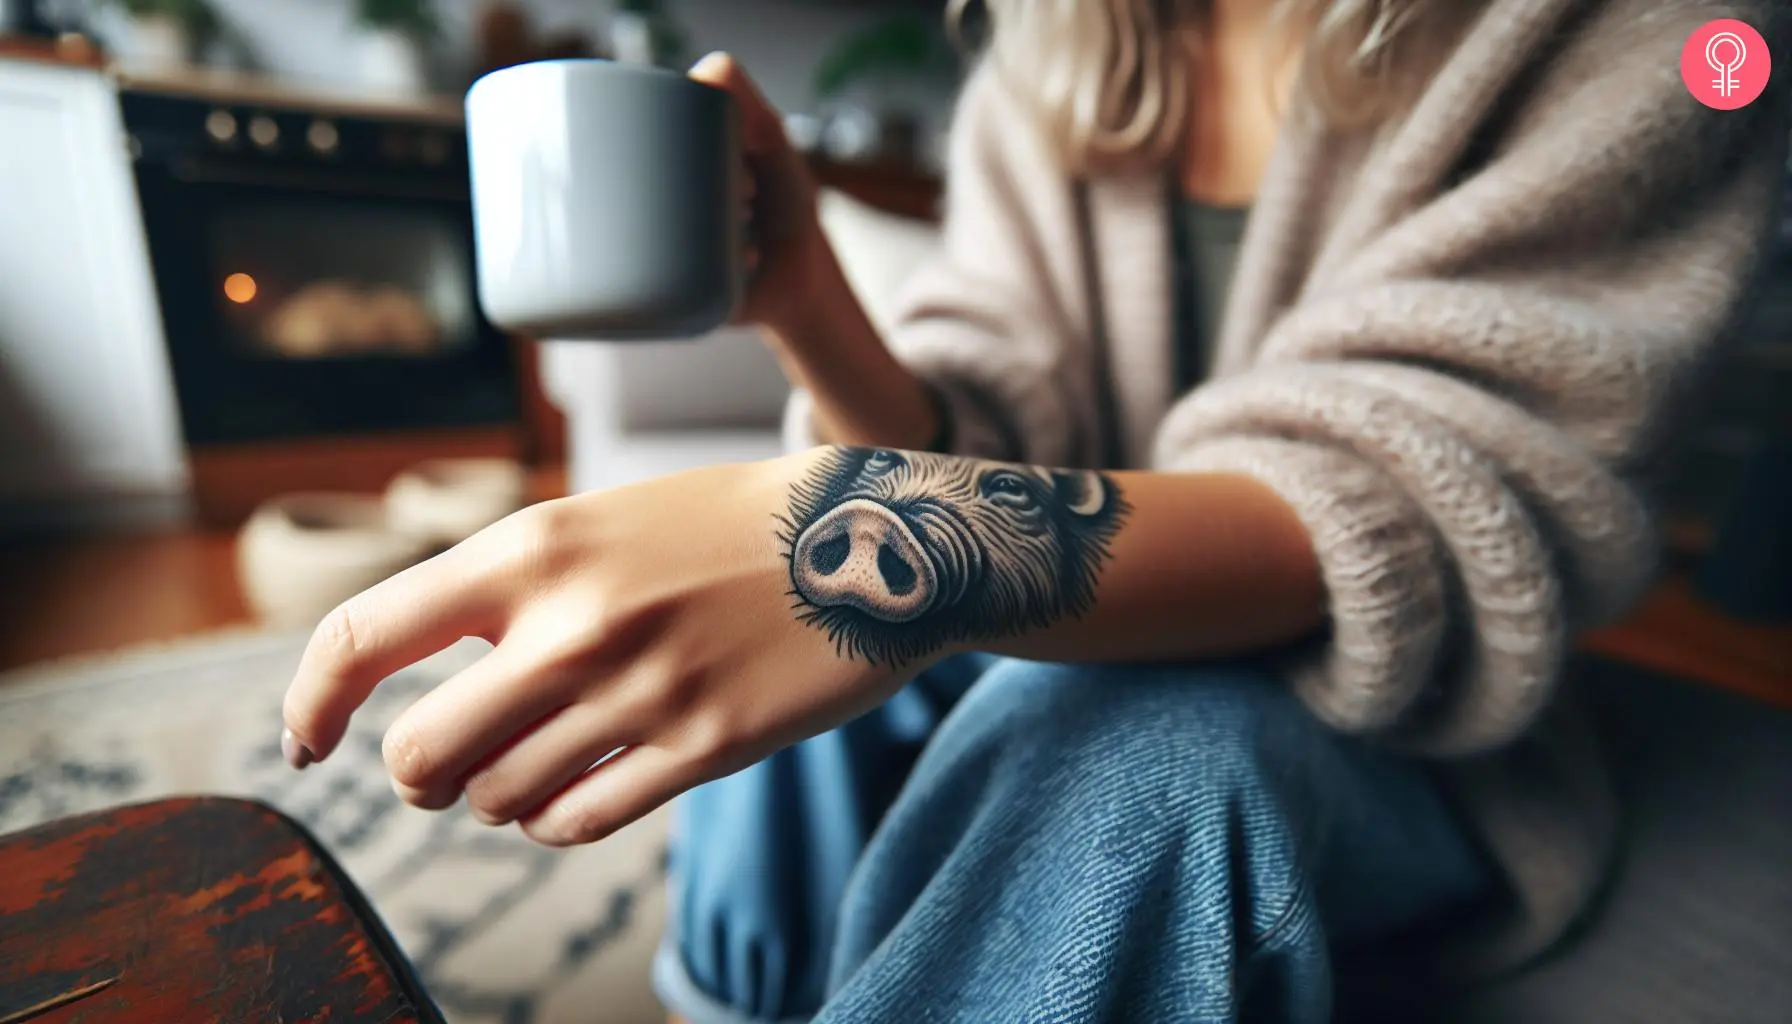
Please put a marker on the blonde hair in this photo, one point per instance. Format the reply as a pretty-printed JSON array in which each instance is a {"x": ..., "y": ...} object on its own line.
[{"x": 1110, "y": 79}]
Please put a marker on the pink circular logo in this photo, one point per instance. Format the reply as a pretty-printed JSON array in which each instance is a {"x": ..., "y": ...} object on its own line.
[{"x": 1725, "y": 64}]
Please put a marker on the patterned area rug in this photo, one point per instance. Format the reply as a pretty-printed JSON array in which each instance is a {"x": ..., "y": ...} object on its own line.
[{"x": 500, "y": 929}]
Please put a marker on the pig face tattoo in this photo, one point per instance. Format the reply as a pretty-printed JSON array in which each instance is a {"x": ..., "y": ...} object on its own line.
[{"x": 896, "y": 554}]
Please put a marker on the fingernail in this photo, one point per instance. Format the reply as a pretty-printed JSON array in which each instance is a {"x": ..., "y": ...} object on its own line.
[{"x": 297, "y": 754}]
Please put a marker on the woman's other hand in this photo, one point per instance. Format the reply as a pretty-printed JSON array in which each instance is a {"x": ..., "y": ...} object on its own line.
[
  {"x": 787, "y": 252},
  {"x": 799, "y": 293},
  {"x": 655, "y": 620}
]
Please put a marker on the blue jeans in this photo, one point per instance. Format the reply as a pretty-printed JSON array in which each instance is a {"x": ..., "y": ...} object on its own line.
[{"x": 1008, "y": 840}]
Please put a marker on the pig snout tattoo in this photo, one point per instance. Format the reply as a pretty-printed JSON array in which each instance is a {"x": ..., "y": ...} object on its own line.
[{"x": 895, "y": 554}]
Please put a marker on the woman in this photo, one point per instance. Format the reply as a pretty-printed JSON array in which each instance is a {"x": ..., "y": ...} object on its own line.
[{"x": 1292, "y": 584}]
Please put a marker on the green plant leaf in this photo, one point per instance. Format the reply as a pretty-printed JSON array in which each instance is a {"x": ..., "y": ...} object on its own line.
[
  {"x": 197, "y": 17},
  {"x": 416, "y": 18},
  {"x": 907, "y": 45}
]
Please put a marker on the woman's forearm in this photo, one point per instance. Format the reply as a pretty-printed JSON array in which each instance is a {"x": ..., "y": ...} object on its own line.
[
  {"x": 1203, "y": 565},
  {"x": 903, "y": 555},
  {"x": 830, "y": 348}
]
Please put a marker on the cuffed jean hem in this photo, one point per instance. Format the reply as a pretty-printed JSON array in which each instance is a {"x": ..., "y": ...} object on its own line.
[{"x": 684, "y": 998}]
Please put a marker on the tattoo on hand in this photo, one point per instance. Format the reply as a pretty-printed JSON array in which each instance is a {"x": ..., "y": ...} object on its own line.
[{"x": 896, "y": 554}]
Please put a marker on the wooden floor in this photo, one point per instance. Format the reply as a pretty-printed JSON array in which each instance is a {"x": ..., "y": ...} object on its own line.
[
  {"x": 88, "y": 595},
  {"x": 95, "y": 594},
  {"x": 91, "y": 594}
]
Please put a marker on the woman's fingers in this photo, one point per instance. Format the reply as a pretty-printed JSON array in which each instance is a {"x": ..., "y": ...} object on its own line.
[
  {"x": 525, "y": 774},
  {"x": 750, "y": 215},
  {"x": 761, "y": 126},
  {"x": 615, "y": 793},
  {"x": 402, "y": 620},
  {"x": 449, "y": 730},
  {"x": 688, "y": 748}
]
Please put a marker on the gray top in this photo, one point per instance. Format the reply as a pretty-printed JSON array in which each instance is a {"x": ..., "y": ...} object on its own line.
[{"x": 1206, "y": 240}]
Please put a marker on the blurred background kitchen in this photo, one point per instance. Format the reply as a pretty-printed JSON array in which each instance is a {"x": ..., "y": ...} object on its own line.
[
  {"x": 244, "y": 372},
  {"x": 243, "y": 369}
]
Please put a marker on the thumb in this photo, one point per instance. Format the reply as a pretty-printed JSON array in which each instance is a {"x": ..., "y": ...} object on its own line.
[{"x": 761, "y": 124}]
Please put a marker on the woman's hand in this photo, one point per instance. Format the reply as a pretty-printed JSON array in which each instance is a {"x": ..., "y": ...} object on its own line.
[
  {"x": 698, "y": 622},
  {"x": 814, "y": 323},
  {"x": 800, "y": 294},
  {"x": 656, "y": 619},
  {"x": 788, "y": 253}
]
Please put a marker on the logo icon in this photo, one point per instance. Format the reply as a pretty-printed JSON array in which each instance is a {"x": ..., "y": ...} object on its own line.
[{"x": 1725, "y": 64}]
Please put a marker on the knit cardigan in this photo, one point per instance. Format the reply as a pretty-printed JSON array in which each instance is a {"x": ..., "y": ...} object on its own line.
[{"x": 1455, "y": 343}]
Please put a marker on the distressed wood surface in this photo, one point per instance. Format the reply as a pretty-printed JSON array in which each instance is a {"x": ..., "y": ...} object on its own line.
[{"x": 202, "y": 910}]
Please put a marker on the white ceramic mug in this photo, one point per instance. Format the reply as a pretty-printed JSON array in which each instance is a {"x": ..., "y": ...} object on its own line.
[{"x": 606, "y": 201}]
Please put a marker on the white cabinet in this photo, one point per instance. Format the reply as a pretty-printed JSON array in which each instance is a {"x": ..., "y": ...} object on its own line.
[{"x": 89, "y": 426}]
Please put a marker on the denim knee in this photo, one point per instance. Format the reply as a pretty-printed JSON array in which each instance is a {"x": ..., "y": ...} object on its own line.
[
  {"x": 1091, "y": 837},
  {"x": 1135, "y": 732},
  {"x": 1122, "y": 761},
  {"x": 1073, "y": 698}
]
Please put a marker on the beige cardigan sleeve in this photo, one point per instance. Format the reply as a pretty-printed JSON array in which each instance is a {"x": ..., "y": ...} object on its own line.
[
  {"x": 981, "y": 320},
  {"x": 1460, "y": 411},
  {"x": 1460, "y": 415}
]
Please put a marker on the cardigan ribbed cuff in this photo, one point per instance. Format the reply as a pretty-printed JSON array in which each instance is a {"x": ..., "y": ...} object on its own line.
[{"x": 1381, "y": 569}]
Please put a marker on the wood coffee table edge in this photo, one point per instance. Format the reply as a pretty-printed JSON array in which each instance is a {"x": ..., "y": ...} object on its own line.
[{"x": 173, "y": 809}]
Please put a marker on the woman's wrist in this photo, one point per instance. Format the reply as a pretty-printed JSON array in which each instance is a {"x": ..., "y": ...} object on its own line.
[
  {"x": 829, "y": 347},
  {"x": 825, "y": 297},
  {"x": 945, "y": 427}
]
